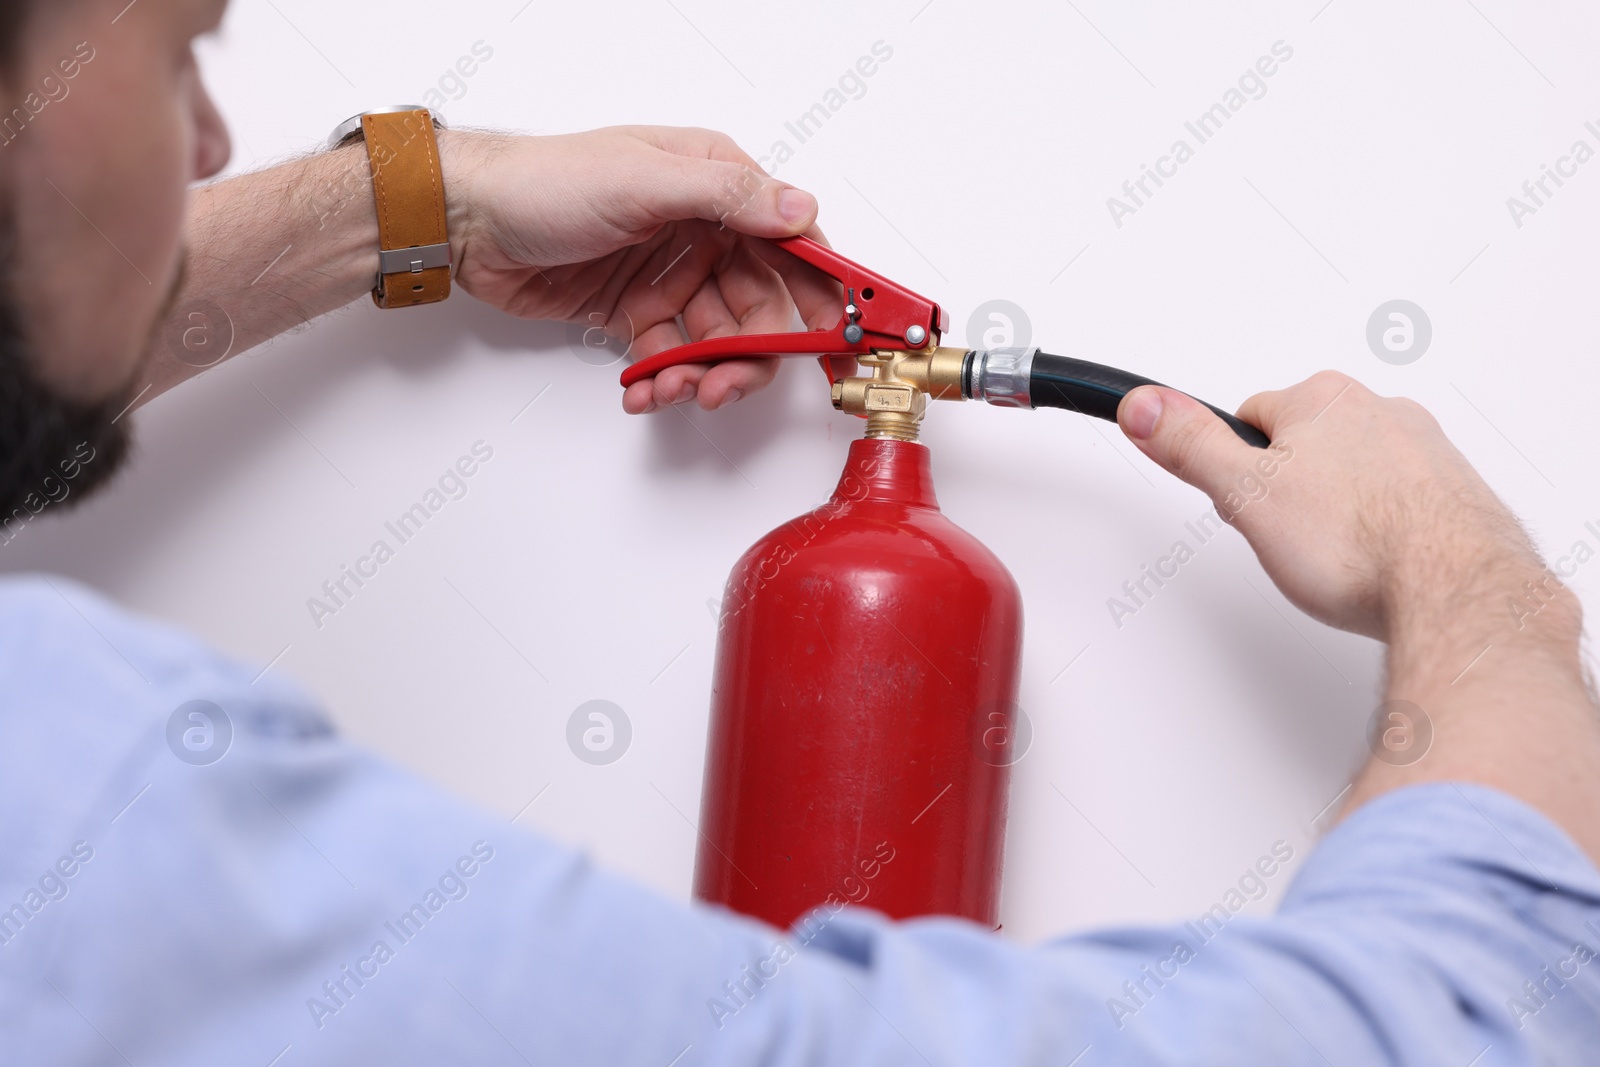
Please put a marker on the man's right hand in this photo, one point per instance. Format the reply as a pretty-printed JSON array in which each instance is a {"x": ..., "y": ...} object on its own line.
[
  {"x": 1361, "y": 502},
  {"x": 1368, "y": 518}
]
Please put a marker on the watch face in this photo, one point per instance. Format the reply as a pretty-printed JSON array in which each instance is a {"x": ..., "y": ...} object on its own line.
[{"x": 351, "y": 127}]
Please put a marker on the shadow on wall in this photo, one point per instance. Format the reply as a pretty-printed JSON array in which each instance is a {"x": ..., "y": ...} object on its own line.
[{"x": 208, "y": 434}]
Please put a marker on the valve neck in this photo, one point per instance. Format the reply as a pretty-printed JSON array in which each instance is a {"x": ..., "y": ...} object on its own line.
[
  {"x": 893, "y": 426},
  {"x": 888, "y": 470}
]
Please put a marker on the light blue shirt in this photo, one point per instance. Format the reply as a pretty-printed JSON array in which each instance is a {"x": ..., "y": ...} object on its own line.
[{"x": 299, "y": 901}]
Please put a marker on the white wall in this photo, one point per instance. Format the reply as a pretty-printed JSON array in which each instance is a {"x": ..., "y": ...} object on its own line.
[{"x": 976, "y": 166}]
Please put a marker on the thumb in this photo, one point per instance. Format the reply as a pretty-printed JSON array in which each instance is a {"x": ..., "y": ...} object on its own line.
[
  {"x": 741, "y": 198},
  {"x": 1185, "y": 438}
]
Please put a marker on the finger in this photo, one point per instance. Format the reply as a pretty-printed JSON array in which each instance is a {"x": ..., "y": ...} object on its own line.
[
  {"x": 744, "y": 294},
  {"x": 705, "y": 315},
  {"x": 639, "y": 398},
  {"x": 1276, "y": 410},
  {"x": 717, "y": 385},
  {"x": 747, "y": 297},
  {"x": 742, "y": 198},
  {"x": 674, "y": 384},
  {"x": 709, "y": 144},
  {"x": 662, "y": 286},
  {"x": 736, "y": 293},
  {"x": 670, "y": 188},
  {"x": 733, "y": 379},
  {"x": 694, "y": 141},
  {"x": 731, "y": 303},
  {"x": 819, "y": 297},
  {"x": 646, "y": 316},
  {"x": 715, "y": 145},
  {"x": 841, "y": 366},
  {"x": 1185, "y": 438}
]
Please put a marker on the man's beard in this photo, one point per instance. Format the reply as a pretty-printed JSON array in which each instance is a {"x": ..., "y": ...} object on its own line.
[{"x": 54, "y": 450}]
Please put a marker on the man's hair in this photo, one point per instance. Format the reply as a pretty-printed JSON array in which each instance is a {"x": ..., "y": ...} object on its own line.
[{"x": 13, "y": 21}]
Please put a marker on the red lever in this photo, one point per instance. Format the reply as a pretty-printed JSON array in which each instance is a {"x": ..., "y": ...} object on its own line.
[{"x": 878, "y": 313}]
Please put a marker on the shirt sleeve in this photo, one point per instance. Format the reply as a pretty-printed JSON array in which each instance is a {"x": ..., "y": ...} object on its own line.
[
  {"x": 299, "y": 898},
  {"x": 333, "y": 905},
  {"x": 1440, "y": 924}
]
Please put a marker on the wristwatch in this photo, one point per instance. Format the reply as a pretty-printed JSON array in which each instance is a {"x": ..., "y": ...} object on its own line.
[{"x": 413, "y": 242}]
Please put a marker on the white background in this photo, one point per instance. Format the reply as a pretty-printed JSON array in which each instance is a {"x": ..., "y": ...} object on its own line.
[{"x": 587, "y": 558}]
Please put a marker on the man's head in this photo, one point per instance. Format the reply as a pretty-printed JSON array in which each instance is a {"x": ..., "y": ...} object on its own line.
[{"x": 103, "y": 126}]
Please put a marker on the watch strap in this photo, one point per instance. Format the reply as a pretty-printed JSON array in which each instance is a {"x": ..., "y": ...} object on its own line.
[{"x": 408, "y": 185}]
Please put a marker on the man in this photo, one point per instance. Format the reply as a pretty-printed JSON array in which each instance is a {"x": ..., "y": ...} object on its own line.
[{"x": 161, "y": 912}]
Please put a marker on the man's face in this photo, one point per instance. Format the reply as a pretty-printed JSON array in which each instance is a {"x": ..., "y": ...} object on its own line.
[
  {"x": 103, "y": 126},
  {"x": 97, "y": 179}
]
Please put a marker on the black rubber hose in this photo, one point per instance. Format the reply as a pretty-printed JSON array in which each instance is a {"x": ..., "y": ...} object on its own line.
[{"x": 1094, "y": 389}]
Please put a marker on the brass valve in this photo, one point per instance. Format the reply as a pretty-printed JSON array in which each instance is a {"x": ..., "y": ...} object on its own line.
[{"x": 896, "y": 395}]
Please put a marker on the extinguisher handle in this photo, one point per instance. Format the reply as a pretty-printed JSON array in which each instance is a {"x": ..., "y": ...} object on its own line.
[
  {"x": 1074, "y": 384},
  {"x": 876, "y": 312}
]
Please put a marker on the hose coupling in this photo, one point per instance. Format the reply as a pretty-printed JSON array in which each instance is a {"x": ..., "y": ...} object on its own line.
[{"x": 1000, "y": 376}]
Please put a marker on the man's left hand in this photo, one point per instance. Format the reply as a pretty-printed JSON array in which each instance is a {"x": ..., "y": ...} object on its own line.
[{"x": 628, "y": 228}]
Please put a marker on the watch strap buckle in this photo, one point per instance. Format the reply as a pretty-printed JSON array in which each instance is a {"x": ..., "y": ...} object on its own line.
[{"x": 413, "y": 260}]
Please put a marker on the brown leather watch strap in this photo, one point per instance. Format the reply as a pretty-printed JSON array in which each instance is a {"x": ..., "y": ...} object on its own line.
[{"x": 409, "y": 186}]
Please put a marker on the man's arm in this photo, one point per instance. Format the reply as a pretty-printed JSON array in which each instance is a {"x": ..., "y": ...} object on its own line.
[
  {"x": 626, "y": 229},
  {"x": 267, "y": 252},
  {"x": 1375, "y": 523}
]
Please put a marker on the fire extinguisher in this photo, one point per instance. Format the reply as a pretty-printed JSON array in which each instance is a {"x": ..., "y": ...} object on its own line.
[
  {"x": 863, "y": 712},
  {"x": 867, "y": 652}
]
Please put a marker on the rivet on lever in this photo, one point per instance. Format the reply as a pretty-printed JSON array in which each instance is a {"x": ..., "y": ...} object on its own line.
[
  {"x": 915, "y": 336},
  {"x": 853, "y": 332}
]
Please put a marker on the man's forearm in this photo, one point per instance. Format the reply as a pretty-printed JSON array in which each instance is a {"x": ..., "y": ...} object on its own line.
[
  {"x": 270, "y": 251},
  {"x": 1499, "y": 693}
]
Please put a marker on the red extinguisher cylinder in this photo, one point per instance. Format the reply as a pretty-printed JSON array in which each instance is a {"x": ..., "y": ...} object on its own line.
[{"x": 864, "y": 690}]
